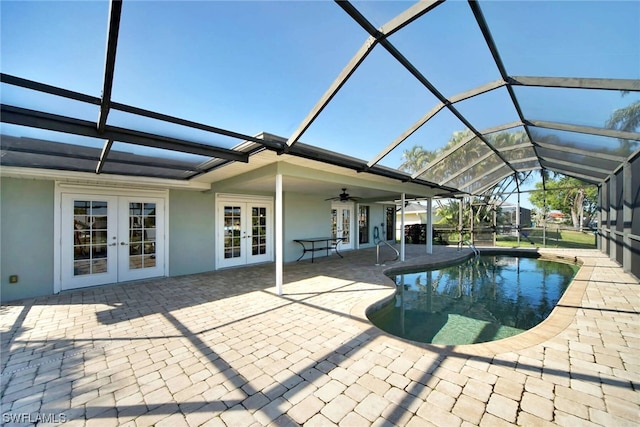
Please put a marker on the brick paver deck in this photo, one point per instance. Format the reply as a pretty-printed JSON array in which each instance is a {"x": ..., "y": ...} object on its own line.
[{"x": 222, "y": 348}]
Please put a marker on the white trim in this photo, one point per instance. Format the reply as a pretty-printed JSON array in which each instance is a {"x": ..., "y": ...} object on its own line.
[
  {"x": 102, "y": 189},
  {"x": 243, "y": 197},
  {"x": 63, "y": 187},
  {"x": 92, "y": 179},
  {"x": 57, "y": 240}
]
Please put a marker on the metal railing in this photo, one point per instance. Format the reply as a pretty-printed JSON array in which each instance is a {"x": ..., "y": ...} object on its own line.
[
  {"x": 378, "y": 252},
  {"x": 475, "y": 250}
]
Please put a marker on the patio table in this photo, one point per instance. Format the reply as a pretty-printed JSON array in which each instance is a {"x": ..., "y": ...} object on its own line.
[{"x": 313, "y": 244}]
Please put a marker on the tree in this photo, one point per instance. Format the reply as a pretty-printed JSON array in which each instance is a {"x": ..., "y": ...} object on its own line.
[
  {"x": 415, "y": 158},
  {"x": 568, "y": 195},
  {"x": 626, "y": 119}
]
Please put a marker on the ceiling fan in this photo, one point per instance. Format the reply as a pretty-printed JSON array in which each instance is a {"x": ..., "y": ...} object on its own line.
[{"x": 344, "y": 197}]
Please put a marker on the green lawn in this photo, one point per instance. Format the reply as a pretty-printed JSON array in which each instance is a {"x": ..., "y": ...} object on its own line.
[{"x": 555, "y": 239}]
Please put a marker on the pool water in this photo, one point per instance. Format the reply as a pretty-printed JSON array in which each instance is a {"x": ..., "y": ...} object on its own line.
[{"x": 486, "y": 298}]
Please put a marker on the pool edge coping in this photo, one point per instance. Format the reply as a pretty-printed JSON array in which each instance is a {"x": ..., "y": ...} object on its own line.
[{"x": 558, "y": 320}]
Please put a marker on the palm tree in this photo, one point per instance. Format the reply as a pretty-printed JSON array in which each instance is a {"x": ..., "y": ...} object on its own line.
[
  {"x": 626, "y": 119},
  {"x": 415, "y": 158}
]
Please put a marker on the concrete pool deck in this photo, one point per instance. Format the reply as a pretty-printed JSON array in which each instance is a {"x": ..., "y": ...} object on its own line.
[{"x": 222, "y": 348}]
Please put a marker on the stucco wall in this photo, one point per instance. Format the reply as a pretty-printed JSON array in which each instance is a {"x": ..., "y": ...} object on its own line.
[
  {"x": 191, "y": 232},
  {"x": 304, "y": 216},
  {"x": 26, "y": 235}
]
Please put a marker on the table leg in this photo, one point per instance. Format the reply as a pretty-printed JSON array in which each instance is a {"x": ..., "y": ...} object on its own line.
[
  {"x": 337, "y": 251},
  {"x": 304, "y": 251}
]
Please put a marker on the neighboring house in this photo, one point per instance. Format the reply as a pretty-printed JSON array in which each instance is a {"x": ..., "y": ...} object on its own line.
[
  {"x": 556, "y": 216},
  {"x": 66, "y": 230},
  {"x": 414, "y": 213}
]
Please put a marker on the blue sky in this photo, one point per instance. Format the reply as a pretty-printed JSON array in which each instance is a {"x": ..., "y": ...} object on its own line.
[{"x": 261, "y": 66}]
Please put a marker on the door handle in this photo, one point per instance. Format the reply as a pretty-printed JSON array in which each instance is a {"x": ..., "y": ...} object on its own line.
[{"x": 123, "y": 244}]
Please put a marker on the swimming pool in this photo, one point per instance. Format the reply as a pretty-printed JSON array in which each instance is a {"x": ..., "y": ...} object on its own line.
[{"x": 486, "y": 298}]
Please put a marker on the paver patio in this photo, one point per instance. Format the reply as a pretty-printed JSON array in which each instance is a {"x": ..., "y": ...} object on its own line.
[{"x": 222, "y": 348}]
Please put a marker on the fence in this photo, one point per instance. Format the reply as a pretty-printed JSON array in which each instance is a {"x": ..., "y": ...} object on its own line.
[{"x": 551, "y": 236}]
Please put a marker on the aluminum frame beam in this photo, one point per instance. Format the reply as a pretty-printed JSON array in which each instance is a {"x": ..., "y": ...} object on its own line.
[
  {"x": 630, "y": 85},
  {"x": 115, "y": 11},
  {"x": 487, "y": 87},
  {"x": 333, "y": 89},
  {"x": 589, "y": 130},
  {"x": 103, "y": 155},
  {"x": 549, "y": 165},
  {"x": 75, "y": 156},
  {"x": 406, "y": 134},
  {"x": 476, "y": 162},
  {"x": 444, "y": 155},
  {"x": 579, "y": 151},
  {"x": 77, "y": 96},
  {"x": 488, "y": 37},
  {"x": 394, "y": 25},
  {"x": 577, "y": 166},
  {"x": 40, "y": 120},
  {"x": 366, "y": 25},
  {"x": 491, "y": 184}
]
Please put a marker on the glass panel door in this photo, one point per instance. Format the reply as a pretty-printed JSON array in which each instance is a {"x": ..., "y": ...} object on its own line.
[
  {"x": 89, "y": 239},
  {"x": 363, "y": 224},
  {"x": 142, "y": 235},
  {"x": 258, "y": 231},
  {"x": 110, "y": 239},
  {"x": 245, "y": 231},
  {"x": 232, "y": 231},
  {"x": 346, "y": 226},
  {"x": 258, "y": 239},
  {"x": 141, "y": 249},
  {"x": 341, "y": 224}
]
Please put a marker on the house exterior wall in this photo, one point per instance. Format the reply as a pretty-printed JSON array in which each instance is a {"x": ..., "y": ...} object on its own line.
[
  {"x": 191, "y": 232},
  {"x": 303, "y": 216},
  {"x": 26, "y": 236},
  {"x": 27, "y": 232}
]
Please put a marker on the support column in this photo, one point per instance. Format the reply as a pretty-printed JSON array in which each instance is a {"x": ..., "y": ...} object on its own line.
[
  {"x": 429, "y": 225},
  {"x": 402, "y": 244},
  {"x": 613, "y": 216},
  {"x": 627, "y": 216},
  {"x": 460, "y": 222},
  {"x": 472, "y": 237},
  {"x": 518, "y": 225},
  {"x": 279, "y": 234}
]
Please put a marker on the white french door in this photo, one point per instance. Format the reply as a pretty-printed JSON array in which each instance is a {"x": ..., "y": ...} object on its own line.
[
  {"x": 245, "y": 232},
  {"x": 342, "y": 223},
  {"x": 109, "y": 239}
]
